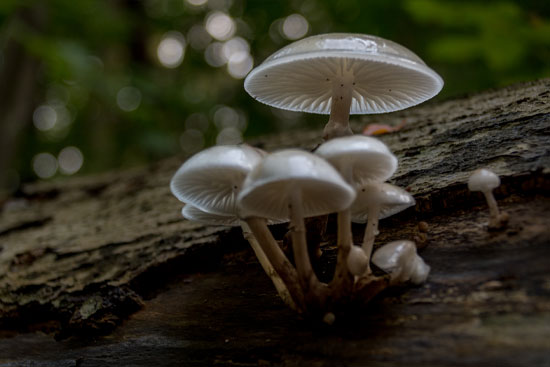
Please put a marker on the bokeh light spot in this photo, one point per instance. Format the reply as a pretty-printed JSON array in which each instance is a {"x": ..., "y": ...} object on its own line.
[
  {"x": 198, "y": 37},
  {"x": 128, "y": 98},
  {"x": 70, "y": 160},
  {"x": 229, "y": 136},
  {"x": 44, "y": 165},
  {"x": 233, "y": 46},
  {"x": 214, "y": 54},
  {"x": 44, "y": 117},
  {"x": 240, "y": 64},
  {"x": 226, "y": 117},
  {"x": 171, "y": 50},
  {"x": 295, "y": 26},
  {"x": 220, "y": 25}
]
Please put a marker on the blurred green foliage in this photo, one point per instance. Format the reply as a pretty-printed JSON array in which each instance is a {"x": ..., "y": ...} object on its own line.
[{"x": 88, "y": 51}]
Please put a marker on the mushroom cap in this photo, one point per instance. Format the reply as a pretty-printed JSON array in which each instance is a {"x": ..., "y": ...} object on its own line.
[
  {"x": 483, "y": 180},
  {"x": 268, "y": 188},
  {"x": 365, "y": 158},
  {"x": 211, "y": 179},
  {"x": 299, "y": 77},
  {"x": 390, "y": 198},
  {"x": 399, "y": 258},
  {"x": 195, "y": 214}
]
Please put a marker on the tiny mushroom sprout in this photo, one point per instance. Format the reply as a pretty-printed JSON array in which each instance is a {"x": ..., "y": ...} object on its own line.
[
  {"x": 400, "y": 259},
  {"x": 342, "y": 74},
  {"x": 377, "y": 201},
  {"x": 296, "y": 184},
  {"x": 208, "y": 183},
  {"x": 360, "y": 160},
  {"x": 486, "y": 181}
]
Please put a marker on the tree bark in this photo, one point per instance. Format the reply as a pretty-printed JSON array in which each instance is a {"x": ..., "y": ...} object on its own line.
[{"x": 79, "y": 257}]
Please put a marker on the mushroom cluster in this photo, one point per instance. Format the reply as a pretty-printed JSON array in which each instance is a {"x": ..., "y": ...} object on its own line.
[
  {"x": 242, "y": 185},
  {"x": 337, "y": 74}
]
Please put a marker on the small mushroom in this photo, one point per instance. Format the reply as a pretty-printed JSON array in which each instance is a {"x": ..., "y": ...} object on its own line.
[
  {"x": 342, "y": 74},
  {"x": 399, "y": 258},
  {"x": 209, "y": 182},
  {"x": 486, "y": 181},
  {"x": 359, "y": 159},
  {"x": 296, "y": 184},
  {"x": 377, "y": 201}
]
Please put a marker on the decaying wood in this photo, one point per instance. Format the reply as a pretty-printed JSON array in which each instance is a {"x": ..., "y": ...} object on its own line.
[{"x": 80, "y": 256}]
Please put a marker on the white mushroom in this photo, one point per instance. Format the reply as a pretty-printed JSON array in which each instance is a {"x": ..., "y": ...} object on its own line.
[
  {"x": 209, "y": 182},
  {"x": 399, "y": 258},
  {"x": 342, "y": 74},
  {"x": 376, "y": 201},
  {"x": 296, "y": 184},
  {"x": 359, "y": 159},
  {"x": 486, "y": 181}
]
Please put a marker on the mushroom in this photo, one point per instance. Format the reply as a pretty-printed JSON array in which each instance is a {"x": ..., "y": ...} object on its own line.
[
  {"x": 359, "y": 159},
  {"x": 342, "y": 74},
  {"x": 296, "y": 184},
  {"x": 399, "y": 258},
  {"x": 485, "y": 181},
  {"x": 377, "y": 201},
  {"x": 209, "y": 182}
]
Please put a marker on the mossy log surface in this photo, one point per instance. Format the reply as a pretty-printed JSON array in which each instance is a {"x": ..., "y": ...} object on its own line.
[{"x": 104, "y": 271}]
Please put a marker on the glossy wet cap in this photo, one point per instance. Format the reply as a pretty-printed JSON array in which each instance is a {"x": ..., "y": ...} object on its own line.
[
  {"x": 267, "y": 189},
  {"x": 390, "y": 198},
  {"x": 483, "y": 180},
  {"x": 365, "y": 158},
  {"x": 387, "y": 76},
  {"x": 211, "y": 179}
]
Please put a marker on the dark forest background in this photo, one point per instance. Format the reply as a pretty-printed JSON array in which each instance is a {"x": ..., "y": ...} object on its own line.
[{"x": 90, "y": 85}]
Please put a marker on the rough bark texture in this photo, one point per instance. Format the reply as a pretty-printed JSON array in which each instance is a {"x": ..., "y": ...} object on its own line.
[{"x": 79, "y": 257}]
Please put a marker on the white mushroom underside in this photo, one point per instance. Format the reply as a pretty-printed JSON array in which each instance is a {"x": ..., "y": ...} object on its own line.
[
  {"x": 272, "y": 199},
  {"x": 213, "y": 191},
  {"x": 380, "y": 86},
  {"x": 193, "y": 213}
]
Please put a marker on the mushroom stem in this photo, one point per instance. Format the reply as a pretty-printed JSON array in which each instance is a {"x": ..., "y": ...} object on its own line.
[
  {"x": 277, "y": 258},
  {"x": 343, "y": 279},
  {"x": 308, "y": 279},
  {"x": 370, "y": 232},
  {"x": 493, "y": 208},
  {"x": 338, "y": 123},
  {"x": 280, "y": 286}
]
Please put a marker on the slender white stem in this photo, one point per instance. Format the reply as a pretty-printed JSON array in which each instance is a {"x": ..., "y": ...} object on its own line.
[
  {"x": 280, "y": 286},
  {"x": 299, "y": 243},
  {"x": 278, "y": 259},
  {"x": 343, "y": 279},
  {"x": 371, "y": 231},
  {"x": 342, "y": 276},
  {"x": 338, "y": 123},
  {"x": 493, "y": 207}
]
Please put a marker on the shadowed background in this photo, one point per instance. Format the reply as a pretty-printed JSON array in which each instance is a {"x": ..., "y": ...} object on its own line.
[{"x": 89, "y": 86}]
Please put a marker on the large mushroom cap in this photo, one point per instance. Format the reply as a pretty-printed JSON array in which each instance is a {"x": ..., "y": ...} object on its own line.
[
  {"x": 267, "y": 189},
  {"x": 363, "y": 158},
  {"x": 391, "y": 200},
  {"x": 387, "y": 76},
  {"x": 211, "y": 179}
]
